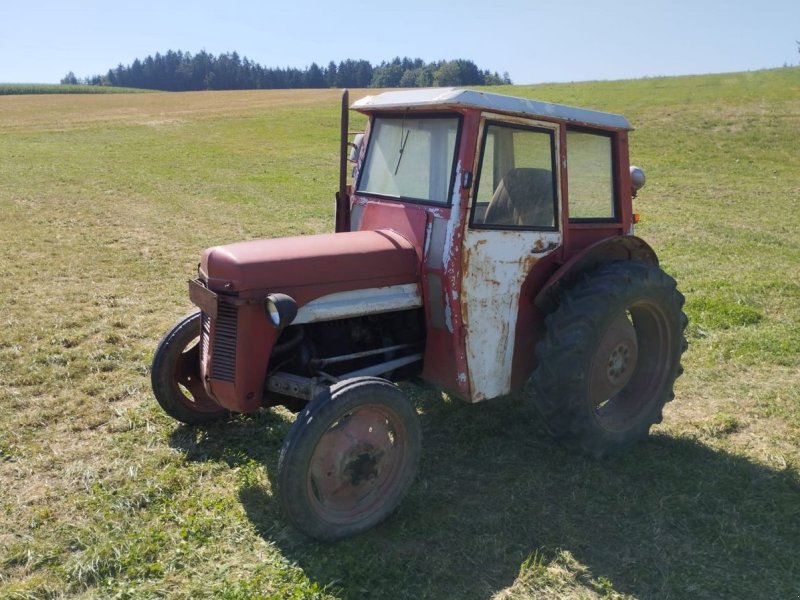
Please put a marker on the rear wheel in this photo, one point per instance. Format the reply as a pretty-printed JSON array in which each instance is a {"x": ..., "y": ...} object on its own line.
[
  {"x": 349, "y": 458},
  {"x": 175, "y": 376},
  {"x": 610, "y": 357}
]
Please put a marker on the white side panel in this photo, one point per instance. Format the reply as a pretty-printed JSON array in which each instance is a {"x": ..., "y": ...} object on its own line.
[
  {"x": 355, "y": 303},
  {"x": 496, "y": 265}
]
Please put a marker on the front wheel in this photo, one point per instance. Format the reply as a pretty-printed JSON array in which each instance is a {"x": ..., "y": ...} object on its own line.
[
  {"x": 175, "y": 376},
  {"x": 349, "y": 458},
  {"x": 610, "y": 356}
]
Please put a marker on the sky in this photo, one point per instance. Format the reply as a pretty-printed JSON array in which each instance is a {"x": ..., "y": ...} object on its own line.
[{"x": 534, "y": 41}]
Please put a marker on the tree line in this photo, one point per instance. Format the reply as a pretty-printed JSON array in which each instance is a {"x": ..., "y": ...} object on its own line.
[{"x": 183, "y": 71}]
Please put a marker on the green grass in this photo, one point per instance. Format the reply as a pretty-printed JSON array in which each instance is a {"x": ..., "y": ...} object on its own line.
[
  {"x": 16, "y": 89},
  {"x": 106, "y": 204}
]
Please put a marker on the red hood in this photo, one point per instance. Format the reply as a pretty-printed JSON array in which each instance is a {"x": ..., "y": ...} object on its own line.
[{"x": 354, "y": 259}]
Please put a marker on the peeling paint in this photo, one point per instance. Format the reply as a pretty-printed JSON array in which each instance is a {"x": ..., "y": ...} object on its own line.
[
  {"x": 452, "y": 225},
  {"x": 448, "y": 317},
  {"x": 428, "y": 229}
]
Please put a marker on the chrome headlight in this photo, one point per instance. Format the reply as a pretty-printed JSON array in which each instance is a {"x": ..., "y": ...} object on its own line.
[{"x": 281, "y": 309}]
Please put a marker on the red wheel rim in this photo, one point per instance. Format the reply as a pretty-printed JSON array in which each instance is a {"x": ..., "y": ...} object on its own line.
[
  {"x": 629, "y": 366},
  {"x": 358, "y": 464},
  {"x": 189, "y": 388}
]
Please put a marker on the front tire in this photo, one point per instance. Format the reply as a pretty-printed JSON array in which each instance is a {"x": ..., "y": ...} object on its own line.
[
  {"x": 175, "y": 376},
  {"x": 610, "y": 357},
  {"x": 349, "y": 458}
]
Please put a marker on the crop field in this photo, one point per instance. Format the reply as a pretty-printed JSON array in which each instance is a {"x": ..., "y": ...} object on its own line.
[
  {"x": 106, "y": 202},
  {"x": 16, "y": 89}
]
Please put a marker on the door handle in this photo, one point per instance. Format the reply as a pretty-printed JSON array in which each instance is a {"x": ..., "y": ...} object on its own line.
[{"x": 541, "y": 249}]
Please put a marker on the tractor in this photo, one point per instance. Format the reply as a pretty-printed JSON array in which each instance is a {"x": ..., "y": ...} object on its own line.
[{"x": 483, "y": 243}]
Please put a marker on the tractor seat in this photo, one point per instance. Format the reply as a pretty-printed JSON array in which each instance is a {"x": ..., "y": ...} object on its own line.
[{"x": 524, "y": 197}]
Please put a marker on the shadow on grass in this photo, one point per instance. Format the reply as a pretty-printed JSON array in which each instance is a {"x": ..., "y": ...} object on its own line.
[{"x": 671, "y": 518}]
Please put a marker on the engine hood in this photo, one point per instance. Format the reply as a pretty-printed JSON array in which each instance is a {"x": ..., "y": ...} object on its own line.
[{"x": 336, "y": 261}]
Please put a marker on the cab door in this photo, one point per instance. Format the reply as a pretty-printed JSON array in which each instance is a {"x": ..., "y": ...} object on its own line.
[{"x": 513, "y": 223}]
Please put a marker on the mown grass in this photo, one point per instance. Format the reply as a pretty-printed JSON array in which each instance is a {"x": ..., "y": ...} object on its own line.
[
  {"x": 16, "y": 89},
  {"x": 106, "y": 203}
]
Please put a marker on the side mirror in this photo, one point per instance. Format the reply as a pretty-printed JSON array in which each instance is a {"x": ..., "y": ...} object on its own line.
[{"x": 637, "y": 179}]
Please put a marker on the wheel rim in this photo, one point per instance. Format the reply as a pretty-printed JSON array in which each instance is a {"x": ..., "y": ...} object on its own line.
[
  {"x": 358, "y": 465},
  {"x": 629, "y": 366},
  {"x": 187, "y": 384}
]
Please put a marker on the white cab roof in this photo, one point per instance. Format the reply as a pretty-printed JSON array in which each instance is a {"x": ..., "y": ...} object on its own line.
[{"x": 440, "y": 98}]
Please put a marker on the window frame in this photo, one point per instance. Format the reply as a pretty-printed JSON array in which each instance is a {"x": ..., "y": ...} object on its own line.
[
  {"x": 616, "y": 218},
  {"x": 553, "y": 133},
  {"x": 407, "y": 199}
]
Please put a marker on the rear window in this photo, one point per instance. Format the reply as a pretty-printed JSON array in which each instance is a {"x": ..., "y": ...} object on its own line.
[{"x": 590, "y": 177}]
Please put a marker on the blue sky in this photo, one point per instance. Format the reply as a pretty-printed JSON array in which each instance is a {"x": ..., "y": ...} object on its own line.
[{"x": 40, "y": 41}]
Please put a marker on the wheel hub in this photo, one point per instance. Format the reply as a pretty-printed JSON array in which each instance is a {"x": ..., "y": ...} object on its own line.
[
  {"x": 363, "y": 467},
  {"x": 614, "y": 360},
  {"x": 618, "y": 363}
]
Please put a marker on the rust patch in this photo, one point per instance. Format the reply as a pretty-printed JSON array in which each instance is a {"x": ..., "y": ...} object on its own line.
[
  {"x": 465, "y": 256},
  {"x": 528, "y": 261}
]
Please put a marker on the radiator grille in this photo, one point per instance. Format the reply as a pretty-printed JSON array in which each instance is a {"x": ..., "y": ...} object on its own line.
[
  {"x": 223, "y": 364},
  {"x": 205, "y": 334}
]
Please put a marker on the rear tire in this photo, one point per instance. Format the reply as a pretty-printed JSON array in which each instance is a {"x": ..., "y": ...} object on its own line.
[
  {"x": 349, "y": 458},
  {"x": 175, "y": 376},
  {"x": 610, "y": 357}
]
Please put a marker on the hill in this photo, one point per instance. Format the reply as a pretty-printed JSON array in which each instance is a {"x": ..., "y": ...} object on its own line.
[{"x": 107, "y": 202}]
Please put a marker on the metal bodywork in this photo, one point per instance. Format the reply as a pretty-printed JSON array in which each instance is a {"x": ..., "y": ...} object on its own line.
[
  {"x": 317, "y": 271},
  {"x": 482, "y": 291}
]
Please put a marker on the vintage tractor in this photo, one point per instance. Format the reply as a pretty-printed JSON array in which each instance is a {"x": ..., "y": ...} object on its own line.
[{"x": 484, "y": 241}]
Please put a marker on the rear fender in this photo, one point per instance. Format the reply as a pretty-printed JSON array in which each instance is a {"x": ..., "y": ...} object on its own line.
[{"x": 609, "y": 250}]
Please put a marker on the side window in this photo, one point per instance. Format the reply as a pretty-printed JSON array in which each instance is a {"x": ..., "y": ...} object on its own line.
[
  {"x": 516, "y": 185},
  {"x": 590, "y": 176}
]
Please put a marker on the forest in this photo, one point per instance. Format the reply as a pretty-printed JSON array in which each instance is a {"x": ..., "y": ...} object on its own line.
[{"x": 184, "y": 71}]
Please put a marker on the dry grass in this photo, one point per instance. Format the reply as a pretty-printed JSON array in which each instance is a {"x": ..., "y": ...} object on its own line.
[
  {"x": 45, "y": 112},
  {"x": 106, "y": 203}
]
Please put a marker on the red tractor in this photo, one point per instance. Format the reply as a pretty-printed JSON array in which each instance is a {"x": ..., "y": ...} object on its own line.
[{"x": 485, "y": 241}]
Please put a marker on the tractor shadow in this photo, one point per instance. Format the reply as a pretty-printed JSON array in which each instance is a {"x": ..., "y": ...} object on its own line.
[{"x": 669, "y": 518}]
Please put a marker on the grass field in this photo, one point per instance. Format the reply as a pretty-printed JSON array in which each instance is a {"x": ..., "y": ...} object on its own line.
[{"x": 105, "y": 205}]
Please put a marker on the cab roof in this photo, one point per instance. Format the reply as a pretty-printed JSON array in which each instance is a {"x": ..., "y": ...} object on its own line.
[{"x": 443, "y": 98}]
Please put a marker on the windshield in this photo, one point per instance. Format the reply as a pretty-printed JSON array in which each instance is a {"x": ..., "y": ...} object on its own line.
[{"x": 410, "y": 158}]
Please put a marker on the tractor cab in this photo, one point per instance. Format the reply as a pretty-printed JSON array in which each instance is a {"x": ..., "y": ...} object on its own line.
[{"x": 496, "y": 192}]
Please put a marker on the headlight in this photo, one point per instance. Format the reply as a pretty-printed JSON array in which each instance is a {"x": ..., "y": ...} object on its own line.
[{"x": 281, "y": 309}]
